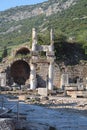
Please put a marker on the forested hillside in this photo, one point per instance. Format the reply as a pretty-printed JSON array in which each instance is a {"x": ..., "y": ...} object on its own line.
[{"x": 68, "y": 18}]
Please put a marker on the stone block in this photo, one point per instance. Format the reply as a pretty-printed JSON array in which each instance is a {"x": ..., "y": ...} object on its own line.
[
  {"x": 80, "y": 87},
  {"x": 43, "y": 91},
  {"x": 71, "y": 88}
]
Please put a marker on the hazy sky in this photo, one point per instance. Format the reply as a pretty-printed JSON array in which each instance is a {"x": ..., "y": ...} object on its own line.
[{"x": 6, "y": 4}]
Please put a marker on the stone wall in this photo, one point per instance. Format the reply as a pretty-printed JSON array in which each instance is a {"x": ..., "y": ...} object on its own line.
[
  {"x": 42, "y": 72},
  {"x": 74, "y": 72},
  {"x": 78, "y": 71}
]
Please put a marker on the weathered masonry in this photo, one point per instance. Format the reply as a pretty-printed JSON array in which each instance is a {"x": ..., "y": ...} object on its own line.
[{"x": 28, "y": 68}]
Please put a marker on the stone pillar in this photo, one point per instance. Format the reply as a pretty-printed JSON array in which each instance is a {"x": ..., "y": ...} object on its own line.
[
  {"x": 34, "y": 39},
  {"x": 86, "y": 83},
  {"x": 51, "y": 50},
  {"x": 33, "y": 82},
  {"x": 64, "y": 80},
  {"x": 51, "y": 47},
  {"x": 3, "y": 82},
  {"x": 50, "y": 81},
  {"x": 3, "y": 79}
]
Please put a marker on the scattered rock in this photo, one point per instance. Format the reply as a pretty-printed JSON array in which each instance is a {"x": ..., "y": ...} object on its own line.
[{"x": 44, "y": 98}]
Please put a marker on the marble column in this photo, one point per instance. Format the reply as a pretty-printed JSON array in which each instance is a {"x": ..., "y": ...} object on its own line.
[
  {"x": 33, "y": 81},
  {"x": 3, "y": 79},
  {"x": 51, "y": 47},
  {"x": 64, "y": 80},
  {"x": 50, "y": 77},
  {"x": 34, "y": 39}
]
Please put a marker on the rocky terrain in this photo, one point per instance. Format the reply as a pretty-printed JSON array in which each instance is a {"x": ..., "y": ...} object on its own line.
[
  {"x": 48, "y": 8},
  {"x": 66, "y": 17}
]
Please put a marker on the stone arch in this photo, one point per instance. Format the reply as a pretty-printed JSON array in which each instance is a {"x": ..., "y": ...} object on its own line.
[
  {"x": 20, "y": 71},
  {"x": 22, "y": 51}
]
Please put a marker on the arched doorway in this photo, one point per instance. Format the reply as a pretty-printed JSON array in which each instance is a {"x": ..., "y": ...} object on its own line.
[{"x": 20, "y": 71}]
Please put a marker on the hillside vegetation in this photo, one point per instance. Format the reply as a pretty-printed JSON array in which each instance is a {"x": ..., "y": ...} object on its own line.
[{"x": 67, "y": 17}]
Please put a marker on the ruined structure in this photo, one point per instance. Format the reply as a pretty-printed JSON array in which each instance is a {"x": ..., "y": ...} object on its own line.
[{"x": 28, "y": 68}]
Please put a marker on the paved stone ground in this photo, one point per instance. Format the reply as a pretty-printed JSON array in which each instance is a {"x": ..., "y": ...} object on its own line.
[{"x": 61, "y": 113}]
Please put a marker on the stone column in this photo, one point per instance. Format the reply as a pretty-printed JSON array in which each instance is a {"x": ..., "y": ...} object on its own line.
[
  {"x": 64, "y": 80},
  {"x": 33, "y": 82},
  {"x": 3, "y": 79},
  {"x": 51, "y": 47},
  {"x": 86, "y": 83},
  {"x": 34, "y": 39},
  {"x": 51, "y": 50},
  {"x": 50, "y": 81},
  {"x": 3, "y": 82}
]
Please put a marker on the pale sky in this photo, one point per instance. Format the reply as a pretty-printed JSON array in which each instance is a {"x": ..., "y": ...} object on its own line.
[{"x": 6, "y": 4}]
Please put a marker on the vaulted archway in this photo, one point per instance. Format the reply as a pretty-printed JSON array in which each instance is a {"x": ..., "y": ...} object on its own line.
[{"x": 20, "y": 71}]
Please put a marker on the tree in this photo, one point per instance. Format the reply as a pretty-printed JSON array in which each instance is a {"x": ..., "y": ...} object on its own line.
[{"x": 4, "y": 54}]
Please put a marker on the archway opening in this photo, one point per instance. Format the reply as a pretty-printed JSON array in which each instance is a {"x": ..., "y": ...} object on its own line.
[
  {"x": 20, "y": 72},
  {"x": 23, "y": 51}
]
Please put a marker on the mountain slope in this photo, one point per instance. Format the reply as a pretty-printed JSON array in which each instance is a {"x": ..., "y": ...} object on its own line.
[{"x": 67, "y": 16}]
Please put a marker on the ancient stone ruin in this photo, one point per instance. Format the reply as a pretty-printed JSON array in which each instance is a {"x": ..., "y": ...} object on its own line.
[{"x": 27, "y": 67}]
